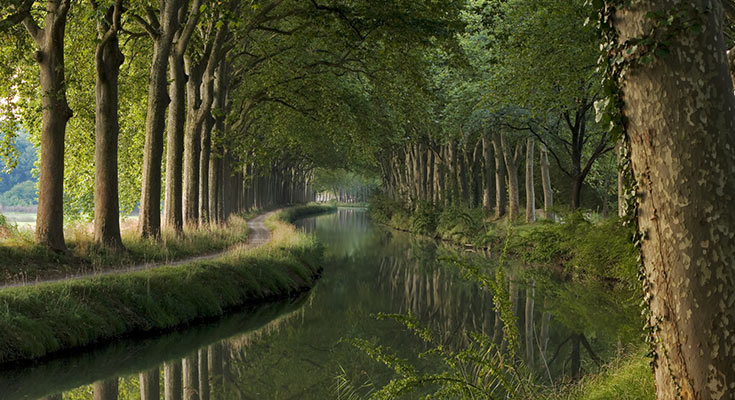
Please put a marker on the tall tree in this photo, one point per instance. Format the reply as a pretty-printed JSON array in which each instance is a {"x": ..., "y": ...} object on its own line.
[
  {"x": 108, "y": 59},
  {"x": 173, "y": 212},
  {"x": 681, "y": 128},
  {"x": 162, "y": 30},
  {"x": 49, "y": 40}
]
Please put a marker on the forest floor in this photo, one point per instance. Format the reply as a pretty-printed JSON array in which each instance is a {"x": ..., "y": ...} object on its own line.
[{"x": 257, "y": 235}]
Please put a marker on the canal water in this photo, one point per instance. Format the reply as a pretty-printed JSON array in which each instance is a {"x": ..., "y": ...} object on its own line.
[{"x": 304, "y": 348}]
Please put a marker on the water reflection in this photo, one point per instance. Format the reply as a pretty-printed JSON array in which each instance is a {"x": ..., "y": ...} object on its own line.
[{"x": 296, "y": 349}]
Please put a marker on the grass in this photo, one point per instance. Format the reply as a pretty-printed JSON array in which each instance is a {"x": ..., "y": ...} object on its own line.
[
  {"x": 40, "y": 320},
  {"x": 627, "y": 378},
  {"x": 23, "y": 260}
]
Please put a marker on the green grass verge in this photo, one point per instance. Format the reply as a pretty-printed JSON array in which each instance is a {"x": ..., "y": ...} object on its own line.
[
  {"x": 626, "y": 378},
  {"x": 21, "y": 259},
  {"x": 39, "y": 320}
]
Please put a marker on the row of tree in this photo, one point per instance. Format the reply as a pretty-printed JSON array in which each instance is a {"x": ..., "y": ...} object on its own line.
[{"x": 196, "y": 98}]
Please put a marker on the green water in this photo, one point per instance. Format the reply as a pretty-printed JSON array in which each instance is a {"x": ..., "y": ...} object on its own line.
[{"x": 296, "y": 349}]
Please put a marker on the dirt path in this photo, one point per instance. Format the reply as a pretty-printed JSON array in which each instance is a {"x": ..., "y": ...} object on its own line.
[{"x": 258, "y": 235}]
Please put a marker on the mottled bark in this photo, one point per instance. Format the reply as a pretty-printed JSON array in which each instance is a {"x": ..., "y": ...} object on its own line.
[
  {"x": 149, "y": 222},
  {"x": 546, "y": 183},
  {"x": 105, "y": 390},
  {"x": 681, "y": 126},
  {"x": 55, "y": 115},
  {"x": 530, "y": 192},
  {"x": 501, "y": 194},
  {"x": 108, "y": 59}
]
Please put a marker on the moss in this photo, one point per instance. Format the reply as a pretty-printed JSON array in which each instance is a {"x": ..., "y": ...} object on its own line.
[{"x": 39, "y": 320}]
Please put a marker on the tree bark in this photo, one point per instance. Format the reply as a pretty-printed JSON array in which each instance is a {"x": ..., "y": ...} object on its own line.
[
  {"x": 731, "y": 62},
  {"x": 173, "y": 201},
  {"x": 681, "y": 128},
  {"x": 55, "y": 115},
  {"x": 487, "y": 182},
  {"x": 546, "y": 183},
  {"x": 621, "y": 181},
  {"x": 204, "y": 156},
  {"x": 149, "y": 223},
  {"x": 511, "y": 166},
  {"x": 501, "y": 195},
  {"x": 530, "y": 193},
  {"x": 108, "y": 58}
]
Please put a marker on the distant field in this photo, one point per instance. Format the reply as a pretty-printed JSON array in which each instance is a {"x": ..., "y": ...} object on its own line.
[{"x": 24, "y": 220}]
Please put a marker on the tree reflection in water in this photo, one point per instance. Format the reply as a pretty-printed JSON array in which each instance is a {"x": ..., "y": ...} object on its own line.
[{"x": 565, "y": 327}]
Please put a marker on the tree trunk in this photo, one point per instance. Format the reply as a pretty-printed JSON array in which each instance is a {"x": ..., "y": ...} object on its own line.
[
  {"x": 546, "y": 183},
  {"x": 149, "y": 222},
  {"x": 681, "y": 127},
  {"x": 530, "y": 193},
  {"x": 55, "y": 115},
  {"x": 173, "y": 202},
  {"x": 487, "y": 182},
  {"x": 511, "y": 166},
  {"x": 621, "y": 180},
  {"x": 501, "y": 195},
  {"x": 172, "y": 380},
  {"x": 576, "y": 192},
  {"x": 192, "y": 141},
  {"x": 204, "y": 155},
  {"x": 105, "y": 390},
  {"x": 108, "y": 59},
  {"x": 173, "y": 216},
  {"x": 731, "y": 62},
  {"x": 149, "y": 384}
]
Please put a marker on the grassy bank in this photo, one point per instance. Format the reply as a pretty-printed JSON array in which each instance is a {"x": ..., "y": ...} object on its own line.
[
  {"x": 40, "y": 320},
  {"x": 628, "y": 377},
  {"x": 580, "y": 246}
]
